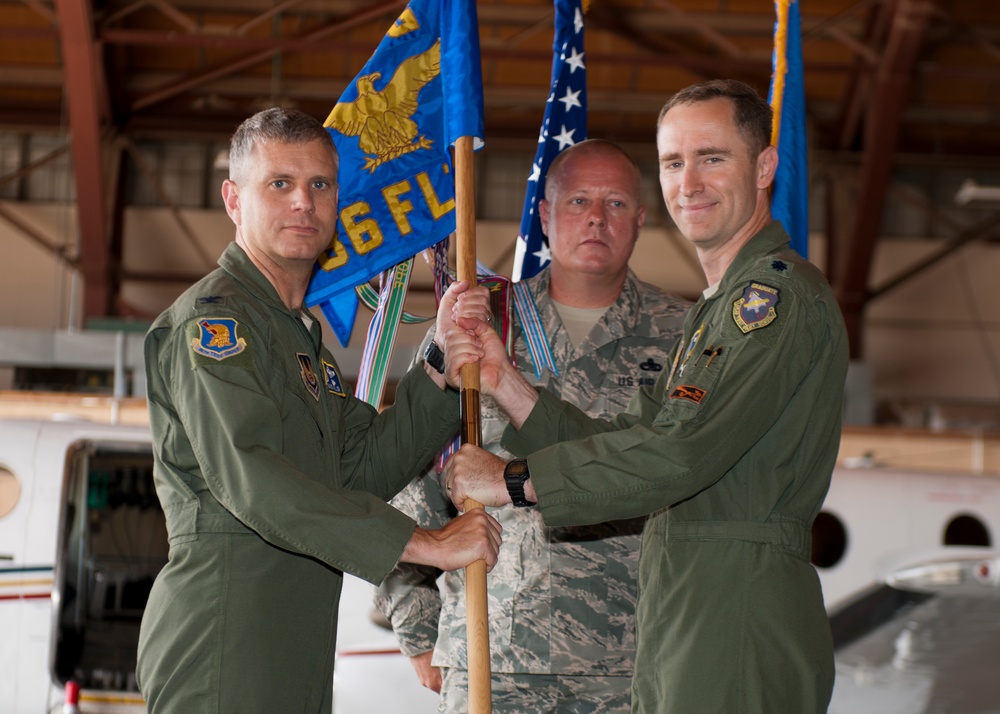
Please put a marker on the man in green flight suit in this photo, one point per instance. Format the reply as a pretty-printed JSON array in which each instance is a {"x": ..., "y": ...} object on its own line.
[
  {"x": 273, "y": 479},
  {"x": 730, "y": 453}
]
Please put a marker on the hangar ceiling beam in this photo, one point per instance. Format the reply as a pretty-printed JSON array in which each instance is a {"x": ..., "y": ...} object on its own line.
[
  {"x": 88, "y": 115},
  {"x": 881, "y": 130},
  {"x": 228, "y": 68}
]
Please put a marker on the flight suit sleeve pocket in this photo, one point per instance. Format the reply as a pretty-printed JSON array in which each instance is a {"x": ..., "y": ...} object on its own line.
[{"x": 182, "y": 522}]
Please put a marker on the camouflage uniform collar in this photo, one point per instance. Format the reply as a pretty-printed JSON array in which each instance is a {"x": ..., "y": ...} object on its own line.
[
  {"x": 768, "y": 239},
  {"x": 619, "y": 321}
]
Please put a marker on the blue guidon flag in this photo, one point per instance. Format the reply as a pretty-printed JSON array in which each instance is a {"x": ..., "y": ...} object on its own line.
[
  {"x": 756, "y": 309},
  {"x": 790, "y": 195},
  {"x": 393, "y": 126}
]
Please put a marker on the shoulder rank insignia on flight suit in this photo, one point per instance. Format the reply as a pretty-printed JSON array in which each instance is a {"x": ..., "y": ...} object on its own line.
[
  {"x": 756, "y": 309},
  {"x": 308, "y": 374},
  {"x": 333, "y": 383},
  {"x": 218, "y": 338}
]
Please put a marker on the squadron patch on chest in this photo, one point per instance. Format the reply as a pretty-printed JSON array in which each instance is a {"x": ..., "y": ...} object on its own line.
[
  {"x": 217, "y": 338},
  {"x": 308, "y": 374},
  {"x": 756, "y": 309},
  {"x": 334, "y": 385}
]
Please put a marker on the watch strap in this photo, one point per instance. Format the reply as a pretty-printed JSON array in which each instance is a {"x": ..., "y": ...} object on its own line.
[
  {"x": 434, "y": 357},
  {"x": 515, "y": 473}
]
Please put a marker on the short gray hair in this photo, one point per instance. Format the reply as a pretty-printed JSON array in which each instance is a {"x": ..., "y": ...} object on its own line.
[{"x": 275, "y": 124}]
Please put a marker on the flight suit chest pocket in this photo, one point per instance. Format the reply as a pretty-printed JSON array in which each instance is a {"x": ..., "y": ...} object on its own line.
[
  {"x": 302, "y": 411},
  {"x": 695, "y": 383}
]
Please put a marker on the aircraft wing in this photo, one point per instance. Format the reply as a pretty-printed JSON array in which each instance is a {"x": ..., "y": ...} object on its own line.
[{"x": 924, "y": 641}]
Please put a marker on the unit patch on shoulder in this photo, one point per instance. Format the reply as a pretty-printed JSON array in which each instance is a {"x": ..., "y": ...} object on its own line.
[
  {"x": 308, "y": 374},
  {"x": 756, "y": 309},
  {"x": 334, "y": 385},
  {"x": 218, "y": 338},
  {"x": 688, "y": 392}
]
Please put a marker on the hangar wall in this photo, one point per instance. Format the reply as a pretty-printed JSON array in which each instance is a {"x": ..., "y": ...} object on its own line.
[{"x": 931, "y": 345}]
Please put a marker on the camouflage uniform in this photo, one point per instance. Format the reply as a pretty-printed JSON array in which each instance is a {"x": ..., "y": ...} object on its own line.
[{"x": 561, "y": 600}]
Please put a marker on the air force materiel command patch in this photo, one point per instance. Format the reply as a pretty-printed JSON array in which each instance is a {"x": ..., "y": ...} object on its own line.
[
  {"x": 756, "y": 308},
  {"x": 333, "y": 383},
  {"x": 308, "y": 374},
  {"x": 218, "y": 338}
]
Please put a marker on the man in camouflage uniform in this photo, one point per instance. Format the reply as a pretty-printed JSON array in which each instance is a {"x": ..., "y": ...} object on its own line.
[{"x": 561, "y": 600}]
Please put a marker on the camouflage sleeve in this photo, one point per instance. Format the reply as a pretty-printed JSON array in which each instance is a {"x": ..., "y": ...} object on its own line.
[{"x": 409, "y": 596}]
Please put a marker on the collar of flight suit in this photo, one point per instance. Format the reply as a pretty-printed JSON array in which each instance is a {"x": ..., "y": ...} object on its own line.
[
  {"x": 766, "y": 241},
  {"x": 235, "y": 261}
]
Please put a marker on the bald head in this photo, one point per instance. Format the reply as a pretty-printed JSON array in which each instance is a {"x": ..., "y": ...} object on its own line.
[{"x": 583, "y": 151}]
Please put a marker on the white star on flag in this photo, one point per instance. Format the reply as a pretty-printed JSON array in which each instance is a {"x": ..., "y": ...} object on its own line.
[
  {"x": 571, "y": 99},
  {"x": 575, "y": 61},
  {"x": 565, "y": 138},
  {"x": 543, "y": 254}
]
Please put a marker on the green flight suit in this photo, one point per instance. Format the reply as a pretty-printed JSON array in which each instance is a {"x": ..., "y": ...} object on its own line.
[
  {"x": 731, "y": 452},
  {"x": 273, "y": 480}
]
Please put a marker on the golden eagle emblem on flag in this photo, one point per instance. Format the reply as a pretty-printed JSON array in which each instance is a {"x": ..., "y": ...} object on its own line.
[{"x": 382, "y": 119}]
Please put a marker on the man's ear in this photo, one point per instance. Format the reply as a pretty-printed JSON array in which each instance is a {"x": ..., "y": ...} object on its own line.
[
  {"x": 767, "y": 165},
  {"x": 640, "y": 218},
  {"x": 543, "y": 215},
  {"x": 231, "y": 197}
]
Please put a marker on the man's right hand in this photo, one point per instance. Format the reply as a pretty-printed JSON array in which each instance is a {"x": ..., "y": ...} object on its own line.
[
  {"x": 462, "y": 541},
  {"x": 428, "y": 674},
  {"x": 498, "y": 378}
]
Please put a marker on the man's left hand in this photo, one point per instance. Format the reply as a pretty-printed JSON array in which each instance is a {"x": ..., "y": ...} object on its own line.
[{"x": 475, "y": 473}]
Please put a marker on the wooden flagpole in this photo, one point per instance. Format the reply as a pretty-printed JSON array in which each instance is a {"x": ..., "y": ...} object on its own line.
[{"x": 477, "y": 617}]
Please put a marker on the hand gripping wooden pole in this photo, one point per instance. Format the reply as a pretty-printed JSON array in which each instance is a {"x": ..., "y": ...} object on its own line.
[{"x": 477, "y": 616}]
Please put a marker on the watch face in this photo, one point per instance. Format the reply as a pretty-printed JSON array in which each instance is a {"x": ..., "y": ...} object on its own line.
[
  {"x": 514, "y": 475},
  {"x": 517, "y": 467}
]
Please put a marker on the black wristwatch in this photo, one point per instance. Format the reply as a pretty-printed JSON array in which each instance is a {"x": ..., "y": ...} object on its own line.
[
  {"x": 434, "y": 357},
  {"x": 515, "y": 473}
]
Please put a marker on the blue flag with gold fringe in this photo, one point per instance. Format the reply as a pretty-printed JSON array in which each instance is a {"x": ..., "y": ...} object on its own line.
[
  {"x": 790, "y": 195},
  {"x": 393, "y": 126},
  {"x": 564, "y": 124}
]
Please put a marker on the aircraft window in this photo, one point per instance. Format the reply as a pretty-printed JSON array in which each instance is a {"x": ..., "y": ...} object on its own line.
[
  {"x": 966, "y": 530},
  {"x": 829, "y": 540},
  {"x": 10, "y": 491}
]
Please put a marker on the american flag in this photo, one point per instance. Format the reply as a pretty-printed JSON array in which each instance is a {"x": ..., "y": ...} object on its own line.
[{"x": 565, "y": 124}]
